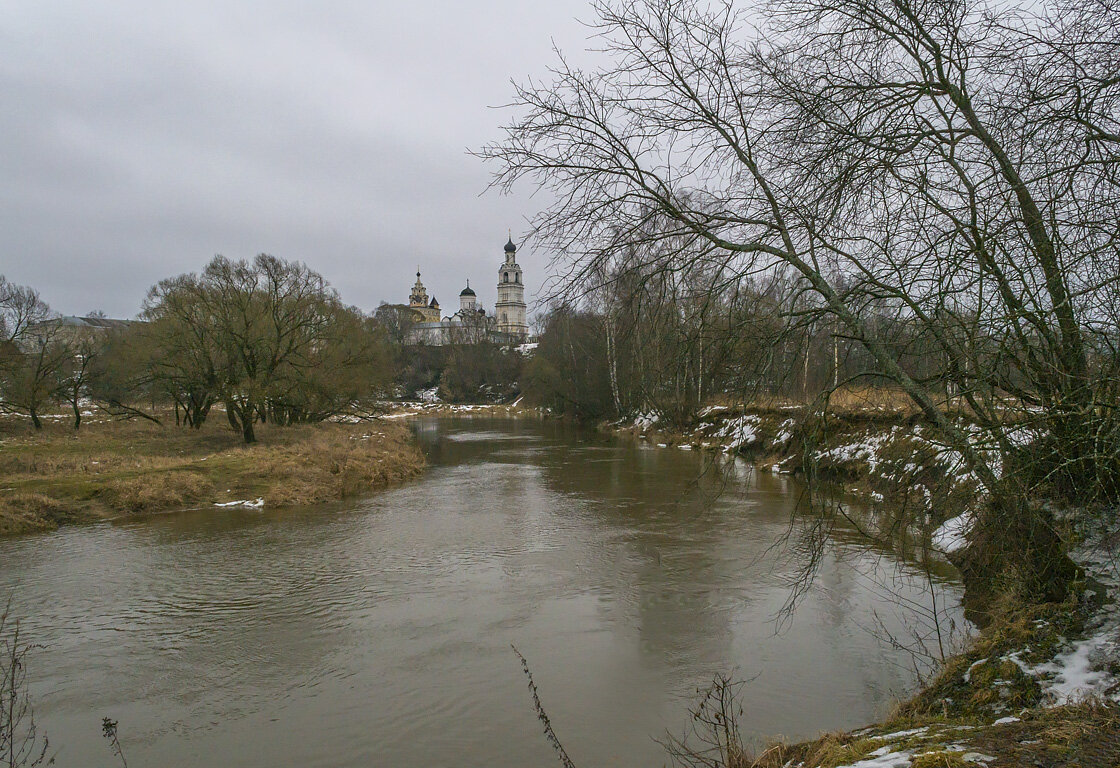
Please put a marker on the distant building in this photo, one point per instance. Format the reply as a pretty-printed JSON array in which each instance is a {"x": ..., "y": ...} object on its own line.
[
  {"x": 471, "y": 324},
  {"x": 96, "y": 322},
  {"x": 70, "y": 327}
]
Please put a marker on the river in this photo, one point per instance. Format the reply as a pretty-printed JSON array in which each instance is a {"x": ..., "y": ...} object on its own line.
[{"x": 378, "y": 632}]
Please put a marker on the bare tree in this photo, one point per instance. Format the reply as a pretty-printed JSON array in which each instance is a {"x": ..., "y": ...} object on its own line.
[
  {"x": 269, "y": 338},
  {"x": 21, "y": 309},
  {"x": 83, "y": 348},
  {"x": 32, "y": 352},
  {"x": 397, "y": 320},
  {"x": 949, "y": 165}
]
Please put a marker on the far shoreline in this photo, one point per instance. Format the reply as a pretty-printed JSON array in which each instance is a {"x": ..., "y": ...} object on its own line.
[{"x": 114, "y": 469}]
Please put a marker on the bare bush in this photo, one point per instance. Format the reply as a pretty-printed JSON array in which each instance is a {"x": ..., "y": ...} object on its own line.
[{"x": 22, "y": 745}]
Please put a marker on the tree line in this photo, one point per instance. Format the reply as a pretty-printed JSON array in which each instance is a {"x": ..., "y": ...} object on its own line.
[{"x": 267, "y": 340}]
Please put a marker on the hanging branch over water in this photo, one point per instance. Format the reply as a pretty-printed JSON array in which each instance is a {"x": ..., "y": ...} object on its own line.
[{"x": 543, "y": 716}]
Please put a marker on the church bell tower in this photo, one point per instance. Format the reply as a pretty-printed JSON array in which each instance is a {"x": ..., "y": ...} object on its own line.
[{"x": 510, "y": 309}]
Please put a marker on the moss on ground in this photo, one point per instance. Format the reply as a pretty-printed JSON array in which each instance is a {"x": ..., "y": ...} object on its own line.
[{"x": 988, "y": 680}]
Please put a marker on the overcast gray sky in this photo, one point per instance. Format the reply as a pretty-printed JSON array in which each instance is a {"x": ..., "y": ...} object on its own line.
[{"x": 141, "y": 138}]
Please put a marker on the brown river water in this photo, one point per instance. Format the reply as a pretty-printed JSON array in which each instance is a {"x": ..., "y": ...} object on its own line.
[{"x": 378, "y": 632}]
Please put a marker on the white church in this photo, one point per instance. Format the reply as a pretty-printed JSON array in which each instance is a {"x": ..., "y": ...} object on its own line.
[{"x": 471, "y": 324}]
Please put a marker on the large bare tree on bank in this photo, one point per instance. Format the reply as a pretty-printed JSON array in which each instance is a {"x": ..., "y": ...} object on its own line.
[{"x": 953, "y": 162}]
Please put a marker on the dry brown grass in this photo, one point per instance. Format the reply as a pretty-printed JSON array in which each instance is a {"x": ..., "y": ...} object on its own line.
[
  {"x": 840, "y": 749},
  {"x": 157, "y": 490},
  {"x": 866, "y": 399},
  {"x": 846, "y": 400},
  {"x": 1080, "y": 735},
  {"x": 849, "y": 400},
  {"x": 336, "y": 462},
  {"x": 22, "y": 512},
  {"x": 940, "y": 759},
  {"x": 109, "y": 468}
]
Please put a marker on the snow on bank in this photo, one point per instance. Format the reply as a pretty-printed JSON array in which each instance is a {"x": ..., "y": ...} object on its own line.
[
  {"x": 251, "y": 503},
  {"x": 740, "y": 432},
  {"x": 733, "y": 434},
  {"x": 1088, "y": 666},
  {"x": 405, "y": 410},
  {"x": 1091, "y": 665},
  {"x": 644, "y": 422},
  {"x": 428, "y": 395},
  {"x": 891, "y": 756},
  {"x": 1083, "y": 670},
  {"x": 883, "y": 758},
  {"x": 906, "y": 466},
  {"x": 952, "y": 535},
  {"x": 867, "y": 450}
]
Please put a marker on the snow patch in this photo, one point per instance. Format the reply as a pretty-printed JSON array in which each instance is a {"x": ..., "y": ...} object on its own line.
[
  {"x": 646, "y": 421},
  {"x": 428, "y": 395},
  {"x": 882, "y": 759},
  {"x": 252, "y": 503},
  {"x": 740, "y": 431},
  {"x": 785, "y": 434},
  {"x": 1079, "y": 672},
  {"x": 1089, "y": 666},
  {"x": 952, "y": 535},
  {"x": 902, "y": 734}
]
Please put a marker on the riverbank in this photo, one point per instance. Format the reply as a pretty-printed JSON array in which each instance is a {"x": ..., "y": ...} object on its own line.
[
  {"x": 884, "y": 459},
  {"x": 1035, "y": 687},
  {"x": 111, "y": 468}
]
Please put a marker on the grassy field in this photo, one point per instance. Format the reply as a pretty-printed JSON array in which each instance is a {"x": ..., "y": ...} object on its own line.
[{"x": 111, "y": 468}]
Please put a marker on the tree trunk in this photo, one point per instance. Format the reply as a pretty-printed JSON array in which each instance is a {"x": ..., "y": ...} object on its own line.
[
  {"x": 77, "y": 415},
  {"x": 1015, "y": 551},
  {"x": 231, "y": 416},
  {"x": 35, "y": 419},
  {"x": 805, "y": 368},
  {"x": 835, "y": 362}
]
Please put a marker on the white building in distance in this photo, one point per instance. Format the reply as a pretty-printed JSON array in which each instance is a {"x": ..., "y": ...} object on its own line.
[{"x": 471, "y": 324}]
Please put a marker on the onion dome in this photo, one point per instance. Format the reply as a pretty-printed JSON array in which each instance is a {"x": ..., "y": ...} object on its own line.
[
  {"x": 510, "y": 247},
  {"x": 467, "y": 291}
]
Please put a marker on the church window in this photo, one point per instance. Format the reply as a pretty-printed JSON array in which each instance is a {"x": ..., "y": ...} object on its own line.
[{"x": 506, "y": 277}]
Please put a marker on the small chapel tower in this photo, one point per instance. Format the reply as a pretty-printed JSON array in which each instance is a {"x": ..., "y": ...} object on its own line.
[
  {"x": 468, "y": 300},
  {"x": 418, "y": 300},
  {"x": 510, "y": 309}
]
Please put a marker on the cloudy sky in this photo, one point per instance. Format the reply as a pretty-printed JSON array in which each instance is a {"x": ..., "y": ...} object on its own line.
[{"x": 141, "y": 138}]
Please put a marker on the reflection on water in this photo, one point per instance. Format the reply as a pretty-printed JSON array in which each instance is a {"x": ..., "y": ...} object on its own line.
[{"x": 379, "y": 632}]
